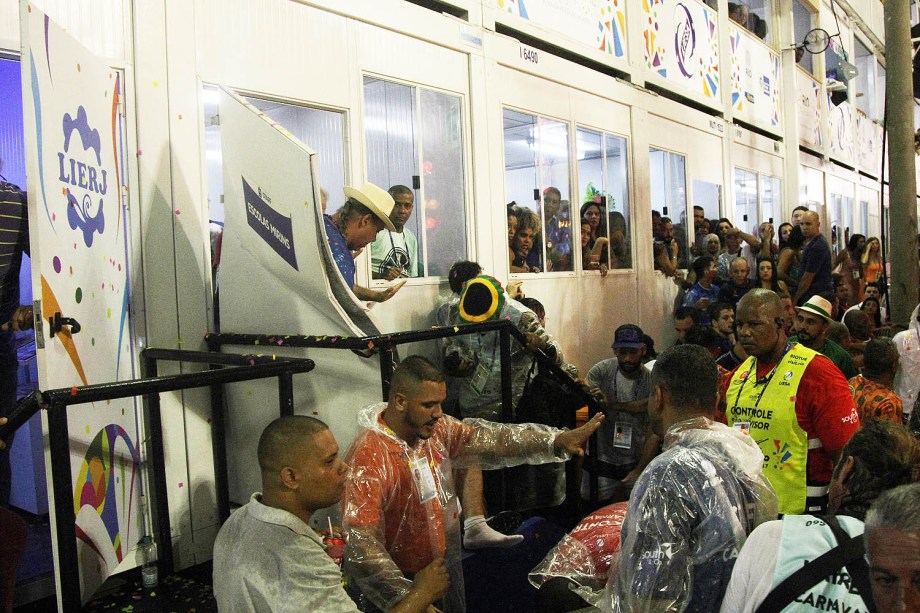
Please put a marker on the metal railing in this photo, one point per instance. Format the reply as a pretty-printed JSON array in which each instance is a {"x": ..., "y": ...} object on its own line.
[{"x": 243, "y": 368}]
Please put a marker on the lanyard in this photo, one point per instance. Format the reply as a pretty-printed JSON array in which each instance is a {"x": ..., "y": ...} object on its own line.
[
  {"x": 616, "y": 397},
  {"x": 764, "y": 380},
  {"x": 408, "y": 265}
]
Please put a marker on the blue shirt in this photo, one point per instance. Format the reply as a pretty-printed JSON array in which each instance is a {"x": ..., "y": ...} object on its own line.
[
  {"x": 816, "y": 258},
  {"x": 698, "y": 291},
  {"x": 340, "y": 251}
]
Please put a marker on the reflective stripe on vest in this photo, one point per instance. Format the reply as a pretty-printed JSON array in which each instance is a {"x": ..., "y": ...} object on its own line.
[{"x": 772, "y": 423}]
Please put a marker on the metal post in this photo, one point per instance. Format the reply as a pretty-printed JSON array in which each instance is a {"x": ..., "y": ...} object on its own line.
[
  {"x": 156, "y": 458},
  {"x": 903, "y": 195},
  {"x": 64, "y": 517},
  {"x": 387, "y": 366},
  {"x": 219, "y": 451},
  {"x": 286, "y": 393}
]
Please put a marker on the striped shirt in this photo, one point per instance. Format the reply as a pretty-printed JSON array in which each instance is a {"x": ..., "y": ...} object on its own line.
[{"x": 14, "y": 239}]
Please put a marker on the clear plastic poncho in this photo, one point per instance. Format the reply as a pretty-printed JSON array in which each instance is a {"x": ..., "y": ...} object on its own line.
[
  {"x": 401, "y": 508},
  {"x": 480, "y": 391},
  {"x": 689, "y": 514},
  {"x": 907, "y": 379}
]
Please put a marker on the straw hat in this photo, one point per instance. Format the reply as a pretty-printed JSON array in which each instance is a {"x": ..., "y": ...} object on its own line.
[
  {"x": 818, "y": 306},
  {"x": 379, "y": 201}
]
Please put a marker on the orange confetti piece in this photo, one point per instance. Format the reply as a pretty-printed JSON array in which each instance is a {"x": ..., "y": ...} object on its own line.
[
  {"x": 73, "y": 391},
  {"x": 370, "y": 344}
]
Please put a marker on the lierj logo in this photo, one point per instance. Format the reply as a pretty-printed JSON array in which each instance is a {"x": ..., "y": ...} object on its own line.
[{"x": 85, "y": 181}]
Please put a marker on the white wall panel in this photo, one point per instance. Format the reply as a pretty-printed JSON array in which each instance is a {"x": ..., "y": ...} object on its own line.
[
  {"x": 274, "y": 46},
  {"x": 98, "y": 24}
]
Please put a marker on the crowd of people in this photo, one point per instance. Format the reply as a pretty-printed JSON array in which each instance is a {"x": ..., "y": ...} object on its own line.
[{"x": 762, "y": 465}]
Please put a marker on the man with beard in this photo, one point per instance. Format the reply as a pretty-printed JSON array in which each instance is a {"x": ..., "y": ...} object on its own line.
[
  {"x": 400, "y": 504},
  {"x": 694, "y": 504},
  {"x": 664, "y": 248},
  {"x": 812, "y": 321},
  {"x": 394, "y": 253},
  {"x": 792, "y": 400},
  {"x": 624, "y": 444}
]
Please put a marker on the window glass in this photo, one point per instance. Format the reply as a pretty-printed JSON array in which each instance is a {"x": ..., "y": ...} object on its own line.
[
  {"x": 836, "y": 215},
  {"x": 771, "y": 201},
  {"x": 755, "y": 15},
  {"x": 668, "y": 177},
  {"x": 746, "y": 190},
  {"x": 880, "y": 85},
  {"x": 864, "y": 217},
  {"x": 537, "y": 183},
  {"x": 865, "y": 80},
  {"x": 414, "y": 147},
  {"x": 708, "y": 197},
  {"x": 802, "y": 22},
  {"x": 322, "y": 130},
  {"x": 604, "y": 219}
]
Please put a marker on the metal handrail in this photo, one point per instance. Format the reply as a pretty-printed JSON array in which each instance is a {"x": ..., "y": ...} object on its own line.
[{"x": 56, "y": 401}]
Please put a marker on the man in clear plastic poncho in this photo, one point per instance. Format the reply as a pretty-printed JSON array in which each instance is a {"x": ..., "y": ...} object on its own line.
[
  {"x": 694, "y": 505},
  {"x": 400, "y": 505}
]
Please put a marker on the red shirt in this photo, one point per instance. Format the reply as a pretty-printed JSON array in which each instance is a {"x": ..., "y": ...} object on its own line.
[{"x": 824, "y": 408}]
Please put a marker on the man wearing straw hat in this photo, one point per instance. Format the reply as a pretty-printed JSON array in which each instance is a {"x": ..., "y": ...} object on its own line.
[
  {"x": 354, "y": 226},
  {"x": 812, "y": 322},
  {"x": 793, "y": 402}
]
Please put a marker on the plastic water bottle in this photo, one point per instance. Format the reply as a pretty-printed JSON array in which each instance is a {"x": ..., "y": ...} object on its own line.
[{"x": 147, "y": 550}]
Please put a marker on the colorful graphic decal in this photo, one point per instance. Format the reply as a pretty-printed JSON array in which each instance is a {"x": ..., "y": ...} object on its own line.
[
  {"x": 808, "y": 110},
  {"x": 780, "y": 456},
  {"x": 598, "y": 23},
  {"x": 109, "y": 483},
  {"x": 682, "y": 45},
  {"x": 755, "y": 78}
]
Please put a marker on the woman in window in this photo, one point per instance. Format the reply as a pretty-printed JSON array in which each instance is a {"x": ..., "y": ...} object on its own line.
[
  {"x": 592, "y": 248},
  {"x": 712, "y": 245},
  {"x": 871, "y": 264},
  {"x": 790, "y": 258},
  {"x": 619, "y": 241},
  {"x": 523, "y": 256},
  {"x": 513, "y": 212},
  {"x": 594, "y": 213},
  {"x": 766, "y": 276}
]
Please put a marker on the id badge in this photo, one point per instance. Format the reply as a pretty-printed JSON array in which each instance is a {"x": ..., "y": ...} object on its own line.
[
  {"x": 743, "y": 426},
  {"x": 480, "y": 377},
  {"x": 622, "y": 435},
  {"x": 424, "y": 480}
]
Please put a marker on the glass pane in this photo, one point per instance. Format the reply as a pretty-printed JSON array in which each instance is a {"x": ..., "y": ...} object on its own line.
[
  {"x": 402, "y": 125},
  {"x": 865, "y": 79},
  {"x": 746, "y": 216},
  {"x": 522, "y": 188},
  {"x": 836, "y": 215},
  {"x": 443, "y": 181},
  {"x": 756, "y": 16},
  {"x": 592, "y": 210},
  {"x": 771, "y": 200},
  {"x": 617, "y": 189},
  {"x": 556, "y": 207},
  {"x": 321, "y": 130},
  {"x": 707, "y": 201},
  {"x": 667, "y": 173},
  {"x": 801, "y": 23},
  {"x": 864, "y": 217}
]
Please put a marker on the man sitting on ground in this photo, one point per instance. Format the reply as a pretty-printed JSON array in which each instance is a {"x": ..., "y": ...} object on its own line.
[
  {"x": 693, "y": 506},
  {"x": 872, "y": 390},
  {"x": 400, "y": 504},
  {"x": 266, "y": 556}
]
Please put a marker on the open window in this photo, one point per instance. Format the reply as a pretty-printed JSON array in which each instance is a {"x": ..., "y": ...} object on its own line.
[{"x": 668, "y": 174}]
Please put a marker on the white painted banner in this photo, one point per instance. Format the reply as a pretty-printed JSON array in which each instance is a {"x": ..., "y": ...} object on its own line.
[
  {"x": 869, "y": 152},
  {"x": 808, "y": 110},
  {"x": 599, "y": 24},
  {"x": 755, "y": 92},
  {"x": 80, "y": 269},
  {"x": 841, "y": 128},
  {"x": 682, "y": 45}
]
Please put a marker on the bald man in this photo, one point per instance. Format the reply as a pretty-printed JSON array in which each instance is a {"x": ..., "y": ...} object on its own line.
[
  {"x": 794, "y": 402},
  {"x": 266, "y": 556},
  {"x": 816, "y": 260}
]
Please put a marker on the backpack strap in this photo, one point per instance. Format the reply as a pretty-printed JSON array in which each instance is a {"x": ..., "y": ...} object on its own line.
[{"x": 849, "y": 552}]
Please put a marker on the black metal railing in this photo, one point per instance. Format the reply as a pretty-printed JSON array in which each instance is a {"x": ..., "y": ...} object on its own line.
[{"x": 244, "y": 368}]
